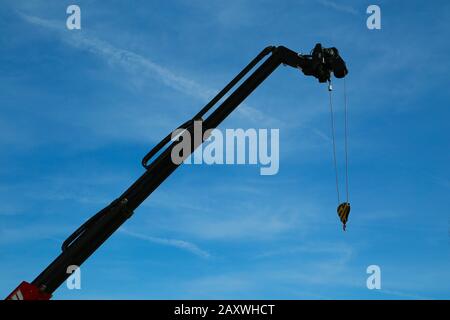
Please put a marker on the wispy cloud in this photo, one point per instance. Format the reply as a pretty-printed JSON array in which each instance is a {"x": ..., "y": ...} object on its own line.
[
  {"x": 344, "y": 251},
  {"x": 31, "y": 233},
  {"x": 181, "y": 244},
  {"x": 405, "y": 295},
  {"x": 139, "y": 65},
  {"x": 220, "y": 285},
  {"x": 235, "y": 220},
  {"x": 338, "y": 6},
  {"x": 230, "y": 216},
  {"x": 331, "y": 271},
  {"x": 131, "y": 61}
]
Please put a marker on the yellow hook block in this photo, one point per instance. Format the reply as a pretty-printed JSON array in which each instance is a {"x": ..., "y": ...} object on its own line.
[{"x": 343, "y": 210}]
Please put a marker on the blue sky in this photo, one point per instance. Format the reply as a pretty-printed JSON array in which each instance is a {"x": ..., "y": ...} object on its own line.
[{"x": 79, "y": 109}]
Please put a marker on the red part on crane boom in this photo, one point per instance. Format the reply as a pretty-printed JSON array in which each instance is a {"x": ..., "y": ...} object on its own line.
[{"x": 27, "y": 291}]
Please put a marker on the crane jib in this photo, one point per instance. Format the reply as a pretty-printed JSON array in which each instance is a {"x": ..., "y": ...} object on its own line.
[{"x": 321, "y": 63}]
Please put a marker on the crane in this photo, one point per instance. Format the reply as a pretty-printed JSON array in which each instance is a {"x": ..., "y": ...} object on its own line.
[{"x": 320, "y": 63}]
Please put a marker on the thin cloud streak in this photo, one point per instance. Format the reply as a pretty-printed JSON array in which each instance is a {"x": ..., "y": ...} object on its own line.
[
  {"x": 181, "y": 244},
  {"x": 338, "y": 7},
  {"x": 131, "y": 61},
  {"x": 405, "y": 295},
  {"x": 136, "y": 63}
]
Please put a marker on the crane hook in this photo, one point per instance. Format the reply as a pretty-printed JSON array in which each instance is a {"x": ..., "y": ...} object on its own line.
[{"x": 343, "y": 210}]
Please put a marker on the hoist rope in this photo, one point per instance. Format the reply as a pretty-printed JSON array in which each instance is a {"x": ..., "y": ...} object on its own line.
[
  {"x": 346, "y": 139},
  {"x": 334, "y": 143},
  {"x": 333, "y": 137}
]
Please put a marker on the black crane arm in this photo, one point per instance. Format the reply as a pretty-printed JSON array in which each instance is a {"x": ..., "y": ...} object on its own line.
[{"x": 91, "y": 235}]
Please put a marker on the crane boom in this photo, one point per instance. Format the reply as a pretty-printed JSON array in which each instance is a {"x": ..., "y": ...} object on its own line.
[{"x": 95, "y": 231}]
